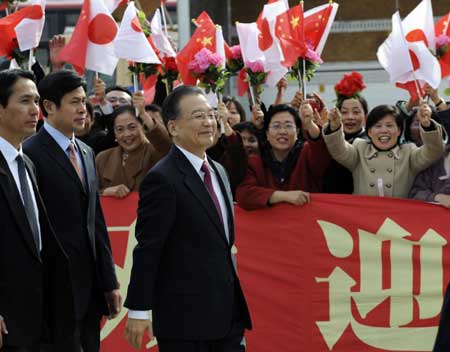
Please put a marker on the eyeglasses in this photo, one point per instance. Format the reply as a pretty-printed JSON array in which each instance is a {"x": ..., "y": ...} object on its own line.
[
  {"x": 290, "y": 127},
  {"x": 202, "y": 115},
  {"x": 121, "y": 129}
]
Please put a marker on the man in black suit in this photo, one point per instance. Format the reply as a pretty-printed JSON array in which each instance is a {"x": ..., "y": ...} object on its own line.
[
  {"x": 35, "y": 291},
  {"x": 182, "y": 265},
  {"x": 67, "y": 179}
]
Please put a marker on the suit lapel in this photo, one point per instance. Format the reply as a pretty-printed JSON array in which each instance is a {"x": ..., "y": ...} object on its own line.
[
  {"x": 89, "y": 171},
  {"x": 14, "y": 200},
  {"x": 194, "y": 183},
  {"x": 57, "y": 154}
]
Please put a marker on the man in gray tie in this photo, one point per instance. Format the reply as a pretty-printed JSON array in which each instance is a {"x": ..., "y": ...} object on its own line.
[{"x": 35, "y": 292}]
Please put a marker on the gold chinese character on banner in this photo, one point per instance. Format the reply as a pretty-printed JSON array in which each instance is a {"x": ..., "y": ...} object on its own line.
[{"x": 397, "y": 336}]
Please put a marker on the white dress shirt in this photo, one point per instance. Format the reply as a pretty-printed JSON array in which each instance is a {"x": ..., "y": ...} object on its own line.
[
  {"x": 196, "y": 163},
  {"x": 10, "y": 154}
]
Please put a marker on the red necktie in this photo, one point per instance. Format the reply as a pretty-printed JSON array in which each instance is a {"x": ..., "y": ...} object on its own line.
[
  {"x": 74, "y": 160},
  {"x": 209, "y": 186}
]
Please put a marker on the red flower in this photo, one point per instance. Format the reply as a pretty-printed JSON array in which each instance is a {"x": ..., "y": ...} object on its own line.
[
  {"x": 170, "y": 64},
  {"x": 350, "y": 85}
]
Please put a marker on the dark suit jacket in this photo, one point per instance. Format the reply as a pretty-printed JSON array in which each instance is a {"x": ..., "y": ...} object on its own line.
[
  {"x": 77, "y": 218},
  {"x": 182, "y": 266},
  {"x": 35, "y": 290}
]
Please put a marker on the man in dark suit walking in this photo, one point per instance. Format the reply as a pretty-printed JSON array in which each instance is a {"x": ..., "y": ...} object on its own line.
[
  {"x": 35, "y": 292},
  {"x": 182, "y": 265},
  {"x": 67, "y": 179}
]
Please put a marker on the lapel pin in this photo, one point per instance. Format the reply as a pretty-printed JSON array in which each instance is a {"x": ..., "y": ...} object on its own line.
[{"x": 84, "y": 151}]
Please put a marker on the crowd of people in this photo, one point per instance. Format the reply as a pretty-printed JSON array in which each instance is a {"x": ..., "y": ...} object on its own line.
[{"x": 189, "y": 161}]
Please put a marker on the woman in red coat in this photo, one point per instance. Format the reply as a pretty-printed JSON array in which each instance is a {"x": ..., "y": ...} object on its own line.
[{"x": 289, "y": 168}]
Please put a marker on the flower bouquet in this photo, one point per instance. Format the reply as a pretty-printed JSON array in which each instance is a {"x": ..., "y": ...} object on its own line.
[
  {"x": 256, "y": 76},
  {"x": 442, "y": 45},
  {"x": 169, "y": 71},
  {"x": 312, "y": 63},
  {"x": 235, "y": 63},
  {"x": 350, "y": 86},
  {"x": 207, "y": 68}
]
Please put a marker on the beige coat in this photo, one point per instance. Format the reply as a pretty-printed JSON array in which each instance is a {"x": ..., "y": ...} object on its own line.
[
  {"x": 113, "y": 171},
  {"x": 385, "y": 173}
]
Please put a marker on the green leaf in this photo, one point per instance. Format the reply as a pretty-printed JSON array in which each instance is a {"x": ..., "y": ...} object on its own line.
[{"x": 447, "y": 91}]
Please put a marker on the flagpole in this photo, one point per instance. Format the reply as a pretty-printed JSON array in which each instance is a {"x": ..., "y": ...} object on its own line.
[
  {"x": 302, "y": 3},
  {"x": 252, "y": 95},
  {"x": 416, "y": 84},
  {"x": 30, "y": 59},
  {"x": 135, "y": 83},
  {"x": 163, "y": 10}
]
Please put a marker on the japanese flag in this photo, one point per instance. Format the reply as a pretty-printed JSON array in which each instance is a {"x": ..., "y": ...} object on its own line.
[
  {"x": 29, "y": 30},
  {"x": 91, "y": 45},
  {"x": 418, "y": 26},
  {"x": 112, "y": 5},
  {"x": 159, "y": 38},
  {"x": 274, "y": 55},
  {"x": 131, "y": 42}
]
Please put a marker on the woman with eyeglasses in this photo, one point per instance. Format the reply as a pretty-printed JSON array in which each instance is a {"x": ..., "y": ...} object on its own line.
[
  {"x": 121, "y": 169},
  {"x": 288, "y": 168},
  {"x": 381, "y": 166}
]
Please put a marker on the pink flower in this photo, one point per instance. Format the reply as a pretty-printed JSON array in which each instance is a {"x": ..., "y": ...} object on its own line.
[
  {"x": 203, "y": 59},
  {"x": 442, "y": 40},
  {"x": 256, "y": 66},
  {"x": 236, "y": 53},
  {"x": 313, "y": 56}
]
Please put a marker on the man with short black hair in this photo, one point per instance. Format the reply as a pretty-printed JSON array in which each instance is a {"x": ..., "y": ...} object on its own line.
[
  {"x": 35, "y": 289},
  {"x": 182, "y": 265},
  {"x": 67, "y": 178}
]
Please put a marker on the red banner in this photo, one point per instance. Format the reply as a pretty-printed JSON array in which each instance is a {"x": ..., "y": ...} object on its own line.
[{"x": 343, "y": 273}]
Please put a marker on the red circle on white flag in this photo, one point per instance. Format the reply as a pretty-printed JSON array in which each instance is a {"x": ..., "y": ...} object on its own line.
[
  {"x": 136, "y": 25},
  {"x": 102, "y": 29}
]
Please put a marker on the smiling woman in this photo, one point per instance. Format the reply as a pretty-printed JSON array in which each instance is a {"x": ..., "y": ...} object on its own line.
[
  {"x": 381, "y": 166},
  {"x": 120, "y": 170},
  {"x": 289, "y": 167}
]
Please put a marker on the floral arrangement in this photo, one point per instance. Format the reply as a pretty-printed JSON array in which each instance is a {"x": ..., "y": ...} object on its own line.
[
  {"x": 207, "y": 67},
  {"x": 169, "y": 70},
  {"x": 350, "y": 86},
  {"x": 312, "y": 63},
  {"x": 256, "y": 76},
  {"x": 442, "y": 45},
  {"x": 235, "y": 62}
]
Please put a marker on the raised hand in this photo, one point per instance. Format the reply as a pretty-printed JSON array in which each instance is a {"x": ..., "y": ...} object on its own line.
[
  {"x": 55, "y": 46},
  {"x": 297, "y": 100},
  {"x": 258, "y": 117},
  {"x": 307, "y": 117},
  {"x": 335, "y": 119},
  {"x": 99, "y": 91},
  {"x": 222, "y": 118},
  {"x": 424, "y": 114}
]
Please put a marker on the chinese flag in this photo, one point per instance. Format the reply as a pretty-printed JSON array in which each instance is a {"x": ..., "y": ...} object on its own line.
[
  {"x": 289, "y": 31},
  {"x": 442, "y": 28},
  {"x": 203, "y": 37},
  {"x": 8, "y": 27},
  {"x": 317, "y": 25}
]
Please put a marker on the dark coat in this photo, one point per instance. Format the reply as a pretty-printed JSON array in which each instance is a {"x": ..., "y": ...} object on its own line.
[
  {"x": 76, "y": 215},
  {"x": 182, "y": 265},
  {"x": 35, "y": 289}
]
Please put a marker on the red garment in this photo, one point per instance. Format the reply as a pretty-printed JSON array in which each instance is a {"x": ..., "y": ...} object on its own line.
[{"x": 307, "y": 175}]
